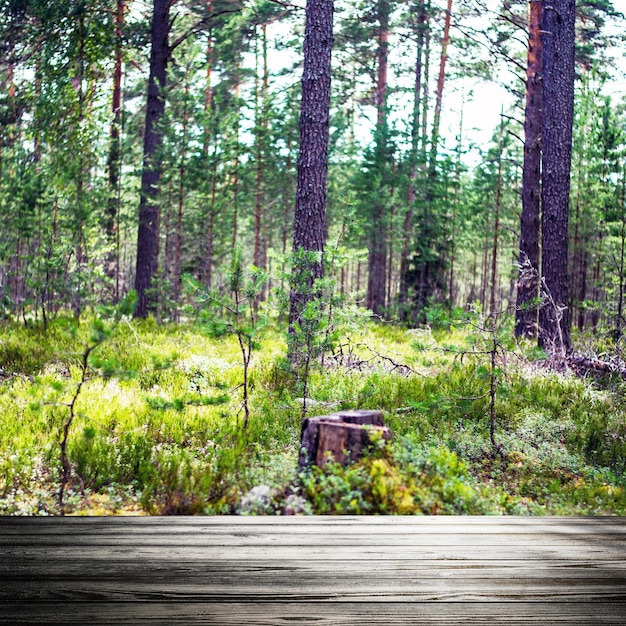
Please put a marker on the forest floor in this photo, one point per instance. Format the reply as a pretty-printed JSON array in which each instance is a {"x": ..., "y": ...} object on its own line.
[{"x": 154, "y": 420}]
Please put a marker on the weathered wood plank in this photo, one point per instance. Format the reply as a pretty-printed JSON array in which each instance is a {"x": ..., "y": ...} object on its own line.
[
  {"x": 451, "y": 523},
  {"x": 124, "y": 552},
  {"x": 314, "y": 570},
  {"x": 322, "y": 614},
  {"x": 340, "y": 539}
]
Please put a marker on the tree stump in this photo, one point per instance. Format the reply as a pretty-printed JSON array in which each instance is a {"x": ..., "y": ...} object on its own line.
[{"x": 341, "y": 437}]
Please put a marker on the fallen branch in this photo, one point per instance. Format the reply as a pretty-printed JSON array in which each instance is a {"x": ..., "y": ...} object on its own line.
[{"x": 586, "y": 365}]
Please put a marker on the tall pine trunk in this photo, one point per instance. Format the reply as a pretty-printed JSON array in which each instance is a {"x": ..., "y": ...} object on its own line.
[
  {"x": 182, "y": 173},
  {"x": 558, "y": 36},
  {"x": 413, "y": 157},
  {"x": 148, "y": 229},
  {"x": 114, "y": 166},
  {"x": 377, "y": 261},
  {"x": 496, "y": 225},
  {"x": 528, "y": 281},
  {"x": 261, "y": 131},
  {"x": 434, "y": 144},
  {"x": 310, "y": 214}
]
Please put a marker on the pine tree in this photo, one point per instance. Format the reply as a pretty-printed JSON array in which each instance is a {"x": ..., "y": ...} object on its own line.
[
  {"x": 558, "y": 39},
  {"x": 310, "y": 214}
]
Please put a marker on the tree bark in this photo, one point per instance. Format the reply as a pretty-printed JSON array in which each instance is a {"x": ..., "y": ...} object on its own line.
[
  {"x": 148, "y": 230},
  {"x": 182, "y": 173},
  {"x": 377, "y": 260},
  {"x": 528, "y": 281},
  {"x": 261, "y": 123},
  {"x": 341, "y": 437},
  {"x": 112, "y": 265},
  {"x": 310, "y": 214},
  {"x": 413, "y": 157},
  {"x": 439, "y": 99},
  {"x": 558, "y": 36}
]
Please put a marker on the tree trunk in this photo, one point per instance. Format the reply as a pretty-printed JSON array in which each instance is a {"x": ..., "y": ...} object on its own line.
[
  {"x": 112, "y": 264},
  {"x": 206, "y": 268},
  {"x": 455, "y": 206},
  {"x": 343, "y": 437},
  {"x": 619, "y": 322},
  {"x": 528, "y": 281},
  {"x": 558, "y": 33},
  {"x": 182, "y": 172},
  {"x": 310, "y": 214},
  {"x": 79, "y": 250},
  {"x": 413, "y": 157},
  {"x": 208, "y": 94},
  {"x": 432, "y": 164},
  {"x": 148, "y": 230},
  {"x": 261, "y": 133},
  {"x": 496, "y": 224},
  {"x": 235, "y": 172},
  {"x": 210, "y": 234},
  {"x": 377, "y": 261},
  {"x": 577, "y": 279}
]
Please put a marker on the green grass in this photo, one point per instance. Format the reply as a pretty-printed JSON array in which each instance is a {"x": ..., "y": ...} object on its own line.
[{"x": 164, "y": 434}]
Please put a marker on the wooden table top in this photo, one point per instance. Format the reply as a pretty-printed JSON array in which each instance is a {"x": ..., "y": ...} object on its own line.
[{"x": 327, "y": 571}]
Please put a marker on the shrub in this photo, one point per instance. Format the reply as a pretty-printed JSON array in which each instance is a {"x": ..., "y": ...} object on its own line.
[{"x": 410, "y": 481}]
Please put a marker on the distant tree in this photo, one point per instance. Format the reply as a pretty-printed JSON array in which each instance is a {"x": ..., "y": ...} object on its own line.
[
  {"x": 114, "y": 161},
  {"x": 427, "y": 269},
  {"x": 528, "y": 282},
  {"x": 419, "y": 26},
  {"x": 379, "y": 169}
]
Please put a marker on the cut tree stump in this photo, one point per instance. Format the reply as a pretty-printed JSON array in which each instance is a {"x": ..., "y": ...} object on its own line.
[{"x": 341, "y": 437}]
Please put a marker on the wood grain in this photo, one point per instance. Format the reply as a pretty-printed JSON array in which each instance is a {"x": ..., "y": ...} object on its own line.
[{"x": 313, "y": 570}]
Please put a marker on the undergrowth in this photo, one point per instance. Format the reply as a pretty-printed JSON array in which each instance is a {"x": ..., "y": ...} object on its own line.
[{"x": 164, "y": 434}]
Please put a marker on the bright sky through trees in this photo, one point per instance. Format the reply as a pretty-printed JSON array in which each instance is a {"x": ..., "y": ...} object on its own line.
[{"x": 479, "y": 101}]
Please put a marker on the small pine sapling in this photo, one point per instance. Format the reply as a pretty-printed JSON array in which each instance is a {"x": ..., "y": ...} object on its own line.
[
  {"x": 90, "y": 368},
  {"x": 235, "y": 312}
]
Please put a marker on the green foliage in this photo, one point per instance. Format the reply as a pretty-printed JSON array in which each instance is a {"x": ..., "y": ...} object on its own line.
[
  {"x": 25, "y": 351},
  {"x": 562, "y": 439},
  {"x": 234, "y": 313},
  {"x": 413, "y": 481}
]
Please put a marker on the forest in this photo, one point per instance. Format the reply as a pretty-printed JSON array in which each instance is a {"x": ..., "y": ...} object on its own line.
[{"x": 220, "y": 217}]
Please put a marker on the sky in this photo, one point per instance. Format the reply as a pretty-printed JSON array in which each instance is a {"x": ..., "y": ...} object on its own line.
[{"x": 480, "y": 102}]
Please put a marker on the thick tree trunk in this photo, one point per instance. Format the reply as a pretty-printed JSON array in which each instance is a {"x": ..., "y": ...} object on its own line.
[
  {"x": 310, "y": 214},
  {"x": 558, "y": 33},
  {"x": 148, "y": 230},
  {"x": 342, "y": 437},
  {"x": 528, "y": 281}
]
